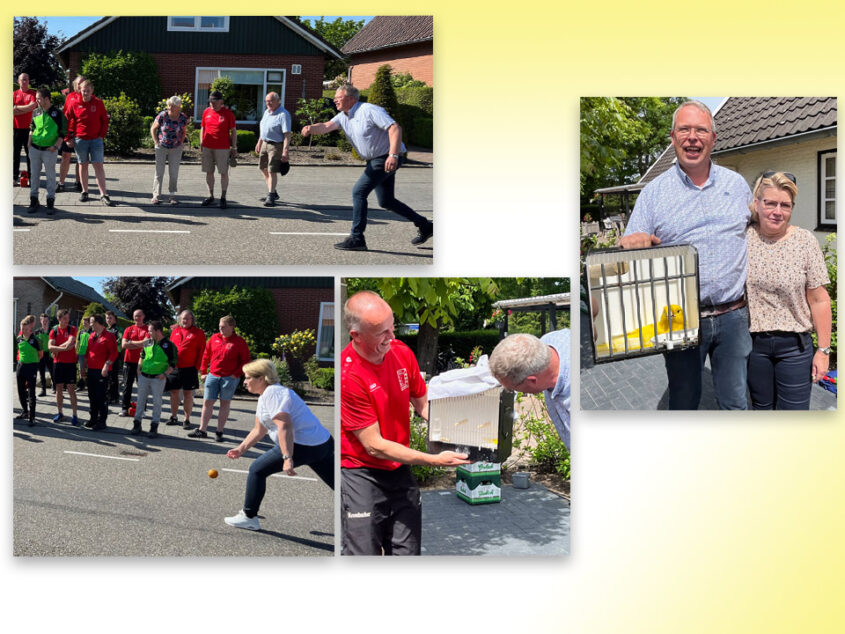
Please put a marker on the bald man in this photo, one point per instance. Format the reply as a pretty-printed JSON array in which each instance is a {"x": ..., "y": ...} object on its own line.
[
  {"x": 23, "y": 105},
  {"x": 524, "y": 363},
  {"x": 272, "y": 146},
  {"x": 380, "y": 379}
]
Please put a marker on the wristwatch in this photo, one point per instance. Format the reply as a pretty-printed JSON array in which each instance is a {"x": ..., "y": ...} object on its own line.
[
  {"x": 825, "y": 350},
  {"x": 396, "y": 156},
  {"x": 284, "y": 457}
]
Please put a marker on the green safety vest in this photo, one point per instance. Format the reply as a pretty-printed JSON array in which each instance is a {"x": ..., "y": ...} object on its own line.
[
  {"x": 158, "y": 357},
  {"x": 43, "y": 337},
  {"x": 28, "y": 349},
  {"x": 82, "y": 341}
]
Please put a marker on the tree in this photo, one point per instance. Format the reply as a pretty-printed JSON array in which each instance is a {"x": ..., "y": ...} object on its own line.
[
  {"x": 254, "y": 311},
  {"x": 133, "y": 73},
  {"x": 337, "y": 33},
  {"x": 34, "y": 53},
  {"x": 432, "y": 302},
  {"x": 126, "y": 127},
  {"x": 382, "y": 93},
  {"x": 147, "y": 293},
  {"x": 311, "y": 111}
]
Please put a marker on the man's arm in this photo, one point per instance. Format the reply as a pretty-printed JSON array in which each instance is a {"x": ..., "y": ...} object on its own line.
[
  {"x": 285, "y": 146},
  {"x": 394, "y": 133},
  {"x": 25, "y": 108},
  {"x": 233, "y": 140},
  {"x": 379, "y": 447},
  {"x": 320, "y": 128},
  {"x": 420, "y": 404}
]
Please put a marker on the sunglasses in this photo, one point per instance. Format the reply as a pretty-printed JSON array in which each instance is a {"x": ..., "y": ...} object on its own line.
[{"x": 771, "y": 173}]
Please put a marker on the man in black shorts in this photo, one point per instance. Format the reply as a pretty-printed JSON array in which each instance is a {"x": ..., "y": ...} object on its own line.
[
  {"x": 63, "y": 348},
  {"x": 190, "y": 344}
]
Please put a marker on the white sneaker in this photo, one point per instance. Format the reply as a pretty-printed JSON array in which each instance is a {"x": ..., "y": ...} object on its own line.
[{"x": 242, "y": 521}]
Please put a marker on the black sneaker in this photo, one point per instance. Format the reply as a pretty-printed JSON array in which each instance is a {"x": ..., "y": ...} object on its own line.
[
  {"x": 83, "y": 197},
  {"x": 89, "y": 424},
  {"x": 198, "y": 433},
  {"x": 33, "y": 204},
  {"x": 223, "y": 204},
  {"x": 153, "y": 431},
  {"x": 43, "y": 392},
  {"x": 173, "y": 421},
  {"x": 99, "y": 427},
  {"x": 60, "y": 188},
  {"x": 51, "y": 206},
  {"x": 207, "y": 201},
  {"x": 352, "y": 244},
  {"x": 269, "y": 202},
  {"x": 136, "y": 428},
  {"x": 106, "y": 201},
  {"x": 218, "y": 436},
  {"x": 186, "y": 425},
  {"x": 78, "y": 186},
  {"x": 423, "y": 234},
  {"x": 272, "y": 196}
]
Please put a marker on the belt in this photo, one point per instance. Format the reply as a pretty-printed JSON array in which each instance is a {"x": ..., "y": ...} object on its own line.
[
  {"x": 42, "y": 147},
  {"x": 712, "y": 310},
  {"x": 151, "y": 376},
  {"x": 272, "y": 142}
]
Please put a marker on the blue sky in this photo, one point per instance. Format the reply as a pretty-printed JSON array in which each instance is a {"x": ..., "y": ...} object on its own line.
[
  {"x": 94, "y": 282},
  {"x": 71, "y": 25}
]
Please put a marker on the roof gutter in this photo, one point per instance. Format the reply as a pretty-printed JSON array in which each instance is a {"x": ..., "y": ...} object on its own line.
[{"x": 86, "y": 32}]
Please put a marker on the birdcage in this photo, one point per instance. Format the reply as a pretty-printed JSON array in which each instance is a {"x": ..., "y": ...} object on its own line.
[
  {"x": 643, "y": 301},
  {"x": 480, "y": 425}
]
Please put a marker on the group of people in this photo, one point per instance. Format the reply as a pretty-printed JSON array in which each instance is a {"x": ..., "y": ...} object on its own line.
[
  {"x": 45, "y": 132},
  {"x": 174, "y": 363},
  {"x": 381, "y": 511},
  {"x": 762, "y": 280}
]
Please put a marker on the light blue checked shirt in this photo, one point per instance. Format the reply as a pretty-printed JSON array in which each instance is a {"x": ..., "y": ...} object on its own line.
[
  {"x": 274, "y": 125},
  {"x": 712, "y": 218},
  {"x": 366, "y": 128},
  {"x": 557, "y": 398}
]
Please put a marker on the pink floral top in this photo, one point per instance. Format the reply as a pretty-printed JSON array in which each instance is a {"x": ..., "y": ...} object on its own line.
[{"x": 171, "y": 133}]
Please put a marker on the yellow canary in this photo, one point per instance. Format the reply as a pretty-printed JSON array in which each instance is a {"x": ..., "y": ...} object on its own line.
[{"x": 649, "y": 332}]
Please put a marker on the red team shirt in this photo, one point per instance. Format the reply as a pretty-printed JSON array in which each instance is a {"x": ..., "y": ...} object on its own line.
[
  {"x": 57, "y": 338},
  {"x": 87, "y": 120},
  {"x": 215, "y": 129},
  {"x": 101, "y": 348},
  {"x": 21, "y": 98},
  {"x": 226, "y": 355},
  {"x": 190, "y": 342},
  {"x": 380, "y": 394},
  {"x": 133, "y": 333}
]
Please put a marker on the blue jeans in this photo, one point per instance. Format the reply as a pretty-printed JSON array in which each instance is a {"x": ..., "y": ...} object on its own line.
[
  {"x": 375, "y": 178},
  {"x": 726, "y": 339},
  {"x": 779, "y": 370},
  {"x": 222, "y": 387},
  {"x": 319, "y": 457}
]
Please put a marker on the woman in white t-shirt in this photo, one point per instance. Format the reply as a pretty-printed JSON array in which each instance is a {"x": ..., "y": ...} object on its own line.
[{"x": 299, "y": 439}]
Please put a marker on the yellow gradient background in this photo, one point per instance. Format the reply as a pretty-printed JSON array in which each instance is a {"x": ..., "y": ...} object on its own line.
[{"x": 692, "y": 523}]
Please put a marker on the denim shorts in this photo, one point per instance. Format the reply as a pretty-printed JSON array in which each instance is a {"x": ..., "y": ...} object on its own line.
[
  {"x": 89, "y": 150},
  {"x": 222, "y": 387}
]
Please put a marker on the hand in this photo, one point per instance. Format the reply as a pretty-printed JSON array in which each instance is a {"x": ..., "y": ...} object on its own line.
[
  {"x": 285, "y": 158},
  {"x": 234, "y": 453},
  {"x": 306, "y": 130},
  {"x": 258, "y": 147},
  {"x": 391, "y": 164},
  {"x": 202, "y": 377},
  {"x": 162, "y": 377},
  {"x": 638, "y": 241},
  {"x": 70, "y": 143},
  {"x": 451, "y": 459},
  {"x": 821, "y": 363},
  {"x": 288, "y": 467},
  {"x": 52, "y": 148},
  {"x": 233, "y": 152},
  {"x": 105, "y": 371}
]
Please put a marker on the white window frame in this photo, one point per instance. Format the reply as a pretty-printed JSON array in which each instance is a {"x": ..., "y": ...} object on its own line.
[
  {"x": 320, "y": 328},
  {"x": 823, "y": 179},
  {"x": 296, "y": 69},
  {"x": 200, "y": 108},
  {"x": 197, "y": 27}
]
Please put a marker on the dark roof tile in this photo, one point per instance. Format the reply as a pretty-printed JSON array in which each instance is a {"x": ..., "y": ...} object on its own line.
[{"x": 385, "y": 31}]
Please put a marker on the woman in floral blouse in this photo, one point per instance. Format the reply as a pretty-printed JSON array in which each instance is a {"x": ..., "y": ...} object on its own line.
[{"x": 168, "y": 132}]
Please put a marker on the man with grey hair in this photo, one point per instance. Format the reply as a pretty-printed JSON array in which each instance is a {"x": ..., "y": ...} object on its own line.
[
  {"x": 378, "y": 140},
  {"x": 524, "y": 363},
  {"x": 700, "y": 203},
  {"x": 272, "y": 146}
]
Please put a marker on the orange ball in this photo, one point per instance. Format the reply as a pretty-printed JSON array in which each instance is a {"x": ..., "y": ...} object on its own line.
[{"x": 212, "y": 473}]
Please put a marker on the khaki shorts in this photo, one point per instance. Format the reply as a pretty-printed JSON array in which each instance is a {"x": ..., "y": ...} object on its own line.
[
  {"x": 211, "y": 157},
  {"x": 271, "y": 154}
]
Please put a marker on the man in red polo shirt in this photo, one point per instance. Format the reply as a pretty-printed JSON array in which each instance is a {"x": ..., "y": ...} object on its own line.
[
  {"x": 23, "y": 103},
  {"x": 132, "y": 342},
  {"x": 100, "y": 356},
  {"x": 225, "y": 355},
  {"x": 72, "y": 96},
  {"x": 219, "y": 140},
  {"x": 379, "y": 381},
  {"x": 87, "y": 126},
  {"x": 63, "y": 348},
  {"x": 190, "y": 344}
]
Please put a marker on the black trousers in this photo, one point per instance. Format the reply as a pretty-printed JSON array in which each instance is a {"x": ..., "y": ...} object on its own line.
[
  {"x": 130, "y": 375},
  {"x": 27, "y": 375},
  {"x": 21, "y": 140},
  {"x": 97, "y": 403},
  {"x": 380, "y": 512},
  {"x": 45, "y": 364},
  {"x": 114, "y": 378},
  {"x": 780, "y": 369}
]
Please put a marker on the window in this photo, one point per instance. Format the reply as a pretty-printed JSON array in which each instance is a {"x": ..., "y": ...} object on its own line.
[
  {"x": 827, "y": 188},
  {"x": 325, "y": 332},
  {"x": 251, "y": 84},
  {"x": 208, "y": 23},
  {"x": 296, "y": 69}
]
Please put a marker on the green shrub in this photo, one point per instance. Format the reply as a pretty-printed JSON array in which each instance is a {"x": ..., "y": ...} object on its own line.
[
  {"x": 133, "y": 73},
  {"x": 829, "y": 252},
  {"x": 58, "y": 100},
  {"x": 296, "y": 139},
  {"x": 419, "y": 431},
  {"x": 148, "y": 122},
  {"x": 226, "y": 87},
  {"x": 421, "y": 97},
  {"x": 311, "y": 367},
  {"x": 382, "y": 93},
  {"x": 126, "y": 127},
  {"x": 540, "y": 441},
  {"x": 421, "y": 132},
  {"x": 254, "y": 311},
  {"x": 297, "y": 344},
  {"x": 404, "y": 80},
  {"x": 324, "y": 379},
  {"x": 344, "y": 144},
  {"x": 246, "y": 141},
  {"x": 194, "y": 138},
  {"x": 187, "y": 105},
  {"x": 283, "y": 371}
]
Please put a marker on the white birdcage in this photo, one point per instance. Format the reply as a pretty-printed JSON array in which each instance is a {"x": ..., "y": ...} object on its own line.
[{"x": 643, "y": 301}]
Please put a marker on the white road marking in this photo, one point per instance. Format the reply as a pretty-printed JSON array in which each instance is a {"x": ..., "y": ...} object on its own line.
[
  {"x": 145, "y": 231},
  {"x": 96, "y": 455},
  {"x": 21, "y": 229},
  {"x": 305, "y": 233},
  {"x": 275, "y": 475}
]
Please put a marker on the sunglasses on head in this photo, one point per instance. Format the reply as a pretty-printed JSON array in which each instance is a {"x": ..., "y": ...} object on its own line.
[{"x": 771, "y": 173}]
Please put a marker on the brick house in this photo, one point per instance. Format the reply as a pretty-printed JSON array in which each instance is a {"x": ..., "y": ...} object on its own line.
[
  {"x": 260, "y": 54},
  {"x": 301, "y": 302},
  {"x": 404, "y": 42},
  {"x": 36, "y": 295},
  {"x": 790, "y": 134}
]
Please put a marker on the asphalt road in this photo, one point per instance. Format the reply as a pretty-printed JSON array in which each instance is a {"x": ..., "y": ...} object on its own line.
[
  {"x": 83, "y": 493},
  {"x": 314, "y": 212}
]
